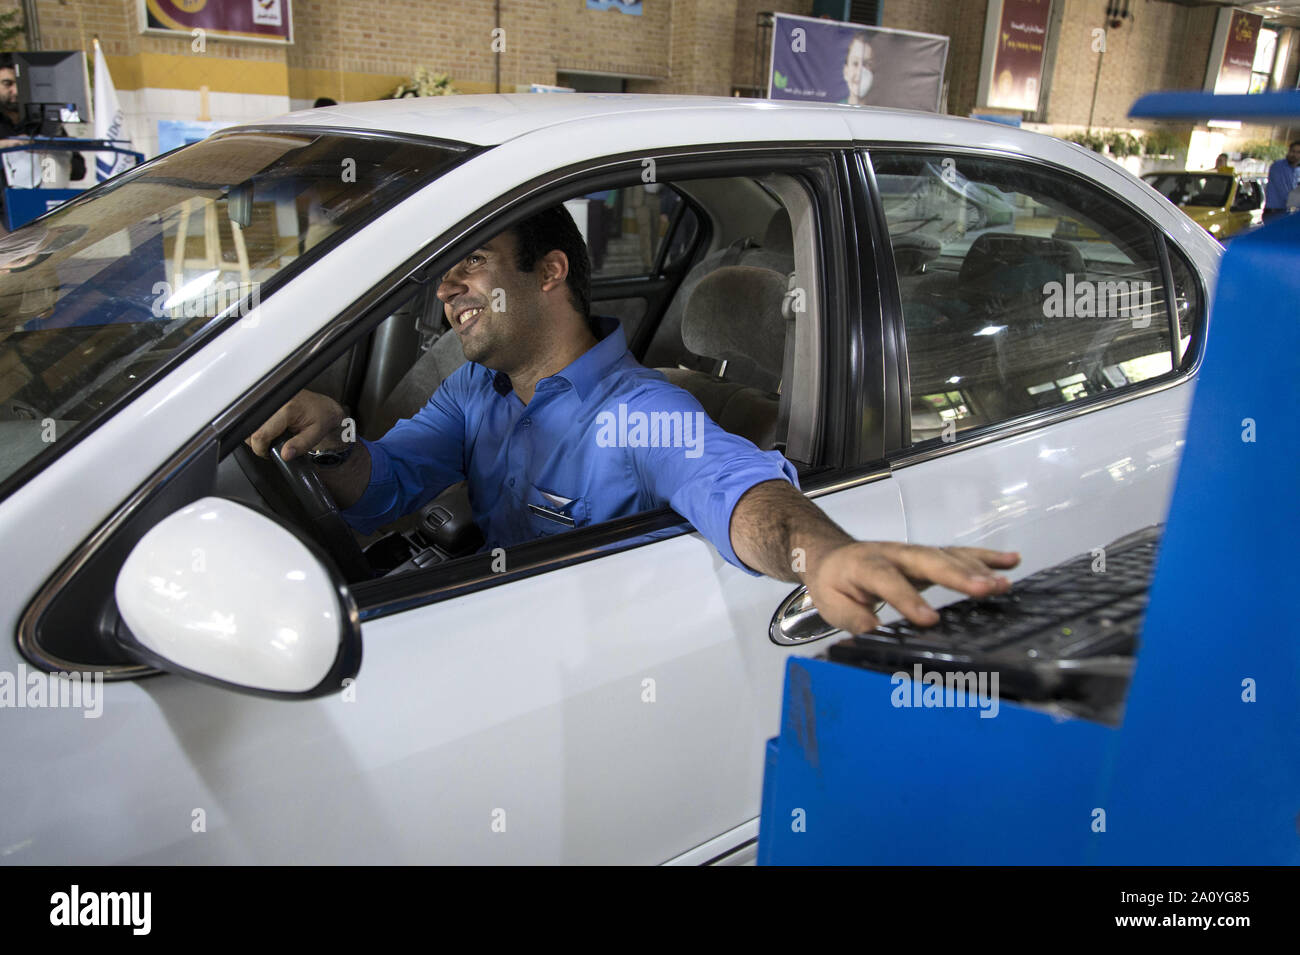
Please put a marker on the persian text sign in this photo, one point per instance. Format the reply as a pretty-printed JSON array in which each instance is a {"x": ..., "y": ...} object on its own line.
[
  {"x": 1239, "y": 53},
  {"x": 267, "y": 20},
  {"x": 1015, "y": 73}
]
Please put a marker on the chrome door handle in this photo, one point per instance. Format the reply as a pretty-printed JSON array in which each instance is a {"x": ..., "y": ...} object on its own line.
[{"x": 797, "y": 621}]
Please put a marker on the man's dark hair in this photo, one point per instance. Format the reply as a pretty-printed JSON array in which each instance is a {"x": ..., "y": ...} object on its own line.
[
  {"x": 323, "y": 101},
  {"x": 553, "y": 229},
  {"x": 6, "y": 61},
  {"x": 1294, "y": 142}
]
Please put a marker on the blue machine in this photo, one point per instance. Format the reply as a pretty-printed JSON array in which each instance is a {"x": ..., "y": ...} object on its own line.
[
  {"x": 1205, "y": 768},
  {"x": 21, "y": 206}
]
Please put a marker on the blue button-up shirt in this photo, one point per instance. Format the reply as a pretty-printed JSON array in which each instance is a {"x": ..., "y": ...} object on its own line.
[
  {"x": 604, "y": 438},
  {"x": 1282, "y": 178}
]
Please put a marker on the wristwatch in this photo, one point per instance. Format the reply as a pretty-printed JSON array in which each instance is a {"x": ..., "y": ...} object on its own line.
[{"x": 330, "y": 459}]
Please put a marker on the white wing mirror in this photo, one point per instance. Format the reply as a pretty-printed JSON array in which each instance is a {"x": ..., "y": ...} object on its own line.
[{"x": 226, "y": 595}]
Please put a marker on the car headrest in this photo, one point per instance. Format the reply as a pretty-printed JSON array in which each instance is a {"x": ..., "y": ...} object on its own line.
[
  {"x": 914, "y": 251},
  {"x": 734, "y": 315},
  {"x": 1015, "y": 264},
  {"x": 778, "y": 237}
]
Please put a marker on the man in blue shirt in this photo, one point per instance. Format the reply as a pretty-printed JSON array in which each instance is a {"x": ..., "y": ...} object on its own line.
[
  {"x": 1283, "y": 176},
  {"x": 554, "y": 425}
]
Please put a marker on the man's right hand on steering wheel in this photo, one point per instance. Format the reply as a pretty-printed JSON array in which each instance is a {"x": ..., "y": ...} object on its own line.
[{"x": 315, "y": 423}]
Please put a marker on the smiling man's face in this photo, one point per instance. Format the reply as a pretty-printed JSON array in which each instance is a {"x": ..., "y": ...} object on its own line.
[{"x": 486, "y": 277}]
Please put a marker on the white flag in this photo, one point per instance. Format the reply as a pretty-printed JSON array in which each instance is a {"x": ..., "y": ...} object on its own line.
[{"x": 110, "y": 123}]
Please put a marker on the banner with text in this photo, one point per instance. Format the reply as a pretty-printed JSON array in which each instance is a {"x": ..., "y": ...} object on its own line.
[
  {"x": 1238, "y": 52},
  {"x": 267, "y": 20},
  {"x": 828, "y": 61},
  {"x": 1015, "y": 40}
]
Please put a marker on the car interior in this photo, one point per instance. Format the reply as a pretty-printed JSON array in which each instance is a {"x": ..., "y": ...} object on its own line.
[
  {"x": 698, "y": 271},
  {"x": 982, "y": 346}
]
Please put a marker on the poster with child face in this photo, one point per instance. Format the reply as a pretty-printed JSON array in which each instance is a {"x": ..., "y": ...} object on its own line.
[{"x": 827, "y": 61}]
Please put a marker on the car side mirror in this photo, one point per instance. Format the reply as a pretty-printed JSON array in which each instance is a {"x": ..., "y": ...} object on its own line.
[{"x": 226, "y": 595}]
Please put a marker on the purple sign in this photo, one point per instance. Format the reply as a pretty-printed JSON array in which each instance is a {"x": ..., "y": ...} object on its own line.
[{"x": 827, "y": 61}]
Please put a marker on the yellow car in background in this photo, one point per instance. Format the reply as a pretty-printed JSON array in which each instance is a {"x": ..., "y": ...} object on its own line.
[{"x": 1222, "y": 203}]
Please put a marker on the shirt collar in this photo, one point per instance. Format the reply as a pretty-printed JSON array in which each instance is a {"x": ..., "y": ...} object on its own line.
[
  {"x": 588, "y": 368},
  {"x": 584, "y": 372}
]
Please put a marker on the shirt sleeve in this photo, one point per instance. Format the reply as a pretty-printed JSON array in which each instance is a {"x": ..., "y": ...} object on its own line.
[
  {"x": 418, "y": 459},
  {"x": 704, "y": 475}
]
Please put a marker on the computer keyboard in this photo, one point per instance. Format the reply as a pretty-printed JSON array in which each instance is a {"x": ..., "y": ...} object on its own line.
[{"x": 1054, "y": 636}]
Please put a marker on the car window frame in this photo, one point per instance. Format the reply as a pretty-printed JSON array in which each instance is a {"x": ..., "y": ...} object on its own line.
[
  {"x": 385, "y": 596},
  {"x": 217, "y": 438},
  {"x": 1185, "y": 365}
]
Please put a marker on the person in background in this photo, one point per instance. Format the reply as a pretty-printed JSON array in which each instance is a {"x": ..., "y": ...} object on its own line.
[
  {"x": 323, "y": 101},
  {"x": 10, "y": 113},
  {"x": 1283, "y": 177},
  {"x": 15, "y": 131},
  {"x": 1223, "y": 163}
]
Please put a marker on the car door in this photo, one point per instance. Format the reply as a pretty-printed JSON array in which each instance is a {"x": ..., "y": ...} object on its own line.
[
  {"x": 604, "y": 698},
  {"x": 1046, "y": 395}
]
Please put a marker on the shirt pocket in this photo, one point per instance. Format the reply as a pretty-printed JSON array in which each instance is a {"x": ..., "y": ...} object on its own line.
[{"x": 553, "y": 512}]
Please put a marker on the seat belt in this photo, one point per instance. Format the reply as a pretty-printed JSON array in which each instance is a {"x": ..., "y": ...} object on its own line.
[
  {"x": 736, "y": 250},
  {"x": 787, "y": 366},
  {"x": 729, "y": 258}
]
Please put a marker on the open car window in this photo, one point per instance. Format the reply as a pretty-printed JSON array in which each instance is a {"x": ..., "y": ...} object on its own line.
[
  {"x": 746, "y": 372},
  {"x": 99, "y": 295}
]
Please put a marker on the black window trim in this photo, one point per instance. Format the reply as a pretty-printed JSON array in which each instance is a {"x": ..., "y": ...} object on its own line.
[{"x": 906, "y": 453}]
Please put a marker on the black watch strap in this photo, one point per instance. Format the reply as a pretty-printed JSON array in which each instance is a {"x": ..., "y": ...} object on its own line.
[{"x": 331, "y": 459}]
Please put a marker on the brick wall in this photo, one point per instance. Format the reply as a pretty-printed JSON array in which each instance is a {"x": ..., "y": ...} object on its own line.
[
  {"x": 70, "y": 24},
  {"x": 353, "y": 50},
  {"x": 1164, "y": 46},
  {"x": 455, "y": 37},
  {"x": 746, "y": 29}
]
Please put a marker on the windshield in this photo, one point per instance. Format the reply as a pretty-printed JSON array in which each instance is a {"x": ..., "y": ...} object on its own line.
[
  {"x": 1192, "y": 189},
  {"x": 101, "y": 293}
]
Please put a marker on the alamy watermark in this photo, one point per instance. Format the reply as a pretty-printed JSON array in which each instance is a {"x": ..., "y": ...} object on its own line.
[
  {"x": 204, "y": 298},
  {"x": 36, "y": 689},
  {"x": 930, "y": 688},
  {"x": 651, "y": 429},
  {"x": 129, "y": 909},
  {"x": 1084, "y": 298}
]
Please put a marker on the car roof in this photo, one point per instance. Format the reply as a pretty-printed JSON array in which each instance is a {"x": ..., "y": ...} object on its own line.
[{"x": 489, "y": 119}]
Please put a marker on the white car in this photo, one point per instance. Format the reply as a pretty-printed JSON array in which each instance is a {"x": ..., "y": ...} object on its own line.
[{"x": 602, "y": 694}]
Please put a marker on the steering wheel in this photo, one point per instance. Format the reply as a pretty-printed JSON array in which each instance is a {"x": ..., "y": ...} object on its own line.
[{"x": 314, "y": 503}]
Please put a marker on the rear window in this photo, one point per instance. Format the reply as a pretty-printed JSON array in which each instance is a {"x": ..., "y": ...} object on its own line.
[
  {"x": 100, "y": 295},
  {"x": 1192, "y": 189}
]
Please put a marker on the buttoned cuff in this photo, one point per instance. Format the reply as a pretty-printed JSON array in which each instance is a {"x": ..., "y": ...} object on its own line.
[{"x": 772, "y": 466}]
